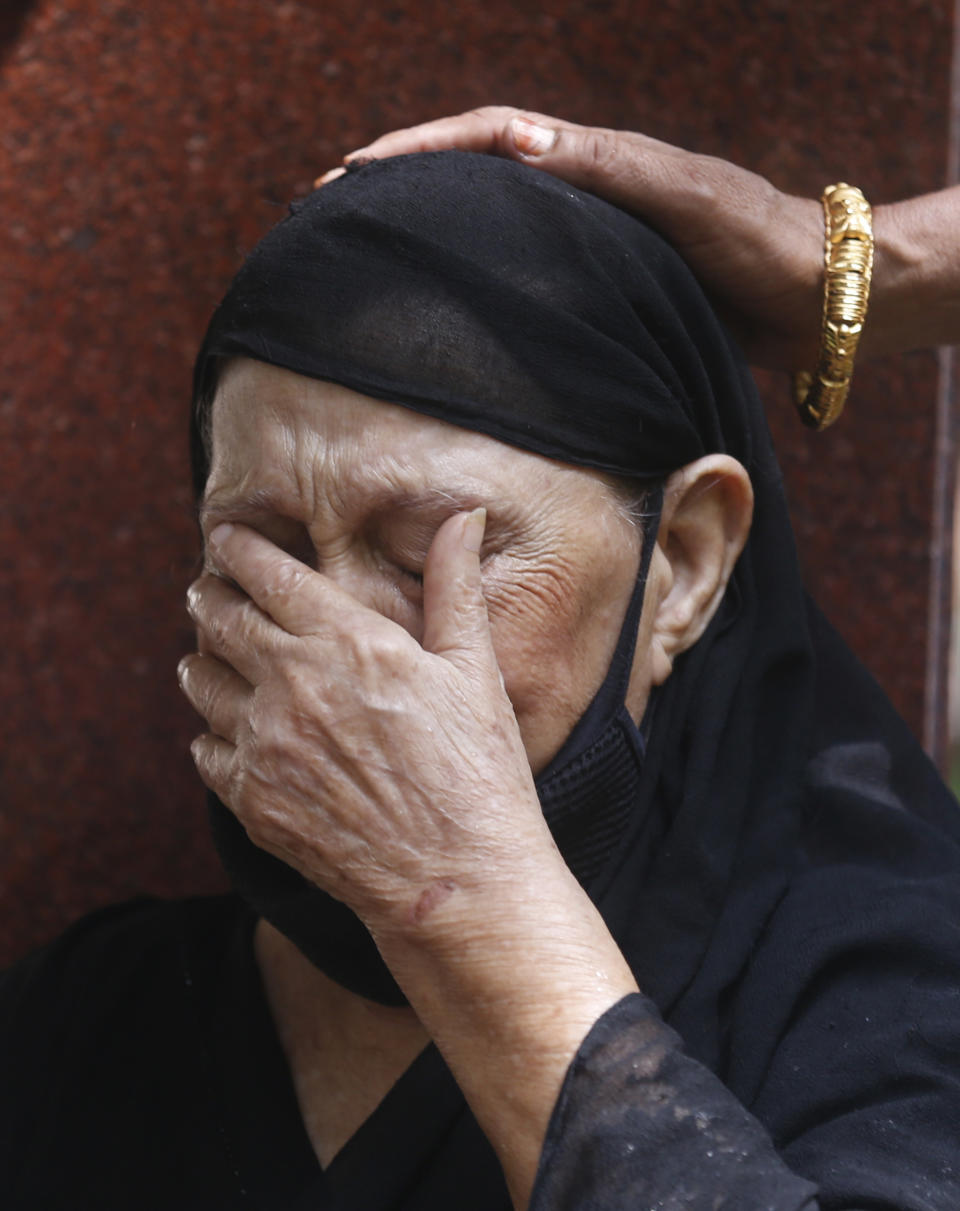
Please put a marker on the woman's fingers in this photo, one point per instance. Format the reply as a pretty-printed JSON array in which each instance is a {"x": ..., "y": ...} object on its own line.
[
  {"x": 217, "y": 693},
  {"x": 373, "y": 764},
  {"x": 214, "y": 758},
  {"x": 231, "y": 626},
  {"x": 693, "y": 199},
  {"x": 607, "y": 162},
  {"x": 480, "y": 130},
  {"x": 273, "y": 600},
  {"x": 483, "y": 130},
  {"x": 290, "y": 593},
  {"x": 455, "y": 623}
]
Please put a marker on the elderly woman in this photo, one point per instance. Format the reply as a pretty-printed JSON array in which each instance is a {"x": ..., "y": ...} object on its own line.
[{"x": 578, "y": 861}]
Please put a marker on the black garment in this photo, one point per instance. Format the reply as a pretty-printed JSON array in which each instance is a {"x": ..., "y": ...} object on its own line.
[
  {"x": 787, "y": 888},
  {"x": 139, "y": 1068},
  {"x": 139, "y": 1071}
]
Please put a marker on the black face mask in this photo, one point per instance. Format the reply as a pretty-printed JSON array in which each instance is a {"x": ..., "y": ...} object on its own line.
[{"x": 586, "y": 792}]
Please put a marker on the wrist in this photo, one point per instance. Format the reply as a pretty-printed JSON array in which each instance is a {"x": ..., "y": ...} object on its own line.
[
  {"x": 508, "y": 991},
  {"x": 897, "y": 261},
  {"x": 914, "y": 302},
  {"x": 503, "y": 949}
]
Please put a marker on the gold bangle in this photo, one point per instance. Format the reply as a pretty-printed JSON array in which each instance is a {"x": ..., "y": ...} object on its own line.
[{"x": 848, "y": 257}]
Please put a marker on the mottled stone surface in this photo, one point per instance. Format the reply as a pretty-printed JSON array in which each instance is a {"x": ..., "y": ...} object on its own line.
[{"x": 143, "y": 147}]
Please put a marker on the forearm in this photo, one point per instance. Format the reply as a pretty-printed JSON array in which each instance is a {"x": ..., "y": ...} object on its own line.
[
  {"x": 915, "y": 300},
  {"x": 508, "y": 996},
  {"x": 759, "y": 252},
  {"x": 584, "y": 1092}
]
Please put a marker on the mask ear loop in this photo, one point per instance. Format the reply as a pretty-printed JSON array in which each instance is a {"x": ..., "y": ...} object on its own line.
[
  {"x": 610, "y": 698},
  {"x": 621, "y": 666}
]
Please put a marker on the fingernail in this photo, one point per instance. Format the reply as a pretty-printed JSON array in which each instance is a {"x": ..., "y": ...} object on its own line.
[
  {"x": 219, "y": 534},
  {"x": 473, "y": 530},
  {"x": 352, "y": 155},
  {"x": 183, "y": 669},
  {"x": 329, "y": 176},
  {"x": 531, "y": 138},
  {"x": 193, "y": 600}
]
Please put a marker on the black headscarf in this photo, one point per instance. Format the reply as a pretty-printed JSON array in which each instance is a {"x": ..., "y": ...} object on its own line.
[{"x": 497, "y": 298}]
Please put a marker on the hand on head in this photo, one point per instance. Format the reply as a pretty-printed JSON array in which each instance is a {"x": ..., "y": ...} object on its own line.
[{"x": 758, "y": 251}]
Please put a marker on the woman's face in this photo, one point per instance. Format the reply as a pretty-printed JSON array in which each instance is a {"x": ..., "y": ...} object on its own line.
[{"x": 357, "y": 489}]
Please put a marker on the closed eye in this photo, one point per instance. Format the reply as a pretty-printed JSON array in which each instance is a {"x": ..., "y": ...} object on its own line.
[{"x": 408, "y": 581}]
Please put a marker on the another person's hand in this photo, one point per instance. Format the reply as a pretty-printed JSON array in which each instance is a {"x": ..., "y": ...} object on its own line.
[{"x": 758, "y": 251}]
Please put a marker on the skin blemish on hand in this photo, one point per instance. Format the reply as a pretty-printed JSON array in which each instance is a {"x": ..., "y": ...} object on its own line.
[{"x": 431, "y": 899}]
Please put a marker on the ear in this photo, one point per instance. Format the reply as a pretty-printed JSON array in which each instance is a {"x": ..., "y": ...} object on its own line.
[{"x": 707, "y": 510}]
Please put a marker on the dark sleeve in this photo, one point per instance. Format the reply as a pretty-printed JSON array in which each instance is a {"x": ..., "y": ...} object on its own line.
[
  {"x": 640, "y": 1125},
  {"x": 840, "y": 1071}
]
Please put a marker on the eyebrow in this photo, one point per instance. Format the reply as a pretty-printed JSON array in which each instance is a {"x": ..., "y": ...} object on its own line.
[
  {"x": 250, "y": 505},
  {"x": 431, "y": 498}
]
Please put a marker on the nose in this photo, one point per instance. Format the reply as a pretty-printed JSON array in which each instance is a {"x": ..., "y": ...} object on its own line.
[{"x": 343, "y": 561}]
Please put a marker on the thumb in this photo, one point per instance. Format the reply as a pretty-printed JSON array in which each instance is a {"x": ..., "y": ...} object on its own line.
[
  {"x": 455, "y": 621},
  {"x": 631, "y": 170}
]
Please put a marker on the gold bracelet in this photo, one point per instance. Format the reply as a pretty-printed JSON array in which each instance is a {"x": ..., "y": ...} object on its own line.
[{"x": 848, "y": 256}]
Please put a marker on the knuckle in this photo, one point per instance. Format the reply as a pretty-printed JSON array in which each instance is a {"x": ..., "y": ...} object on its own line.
[
  {"x": 215, "y": 627},
  {"x": 599, "y": 152},
  {"x": 266, "y": 742},
  {"x": 266, "y": 827},
  {"x": 377, "y": 653},
  {"x": 211, "y": 700},
  {"x": 235, "y": 792},
  {"x": 209, "y": 764},
  {"x": 286, "y": 581},
  {"x": 713, "y": 183},
  {"x": 250, "y": 795},
  {"x": 493, "y": 113},
  {"x": 700, "y": 176}
]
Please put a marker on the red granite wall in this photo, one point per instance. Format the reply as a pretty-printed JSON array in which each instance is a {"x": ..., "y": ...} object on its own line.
[{"x": 143, "y": 147}]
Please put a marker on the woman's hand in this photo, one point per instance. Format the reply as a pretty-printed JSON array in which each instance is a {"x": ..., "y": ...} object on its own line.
[
  {"x": 389, "y": 773},
  {"x": 758, "y": 251},
  {"x": 393, "y": 775}
]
